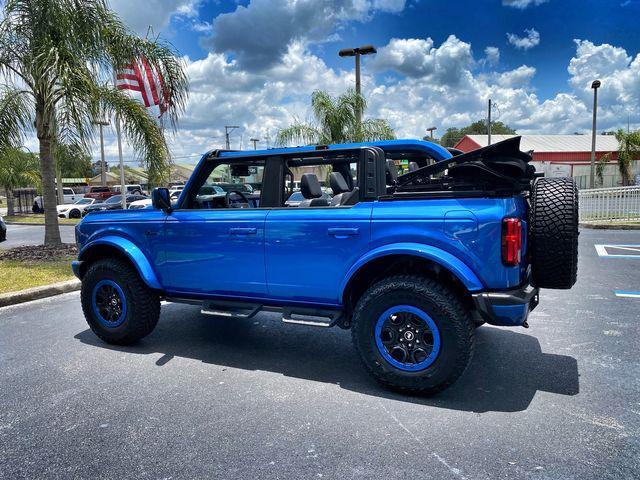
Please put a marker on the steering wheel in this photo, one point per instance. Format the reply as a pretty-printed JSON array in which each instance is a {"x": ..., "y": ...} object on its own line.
[{"x": 227, "y": 197}]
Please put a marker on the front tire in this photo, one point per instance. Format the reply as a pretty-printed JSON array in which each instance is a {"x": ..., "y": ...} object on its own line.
[
  {"x": 118, "y": 306},
  {"x": 398, "y": 311},
  {"x": 75, "y": 213}
]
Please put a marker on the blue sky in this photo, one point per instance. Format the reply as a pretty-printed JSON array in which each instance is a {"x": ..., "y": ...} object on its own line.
[{"x": 255, "y": 63}]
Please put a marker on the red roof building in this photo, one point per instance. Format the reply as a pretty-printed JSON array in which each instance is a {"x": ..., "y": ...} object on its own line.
[{"x": 561, "y": 155}]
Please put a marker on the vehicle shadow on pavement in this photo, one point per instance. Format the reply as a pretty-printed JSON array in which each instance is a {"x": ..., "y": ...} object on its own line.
[{"x": 507, "y": 370}]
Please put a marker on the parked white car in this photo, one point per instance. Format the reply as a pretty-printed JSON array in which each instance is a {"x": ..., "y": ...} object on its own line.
[
  {"x": 69, "y": 197},
  {"x": 139, "y": 204},
  {"x": 74, "y": 210}
]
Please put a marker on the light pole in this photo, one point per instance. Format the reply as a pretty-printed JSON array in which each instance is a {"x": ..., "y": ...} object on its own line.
[
  {"x": 595, "y": 85},
  {"x": 227, "y": 130},
  {"x": 430, "y": 130},
  {"x": 489, "y": 123},
  {"x": 103, "y": 169},
  {"x": 356, "y": 52},
  {"x": 255, "y": 142}
]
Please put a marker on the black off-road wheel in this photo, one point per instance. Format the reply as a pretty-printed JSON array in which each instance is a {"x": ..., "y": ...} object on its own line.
[
  {"x": 118, "y": 306},
  {"x": 412, "y": 334},
  {"x": 553, "y": 233}
]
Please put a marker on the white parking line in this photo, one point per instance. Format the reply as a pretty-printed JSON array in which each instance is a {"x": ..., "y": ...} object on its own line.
[
  {"x": 603, "y": 251},
  {"x": 625, "y": 294}
]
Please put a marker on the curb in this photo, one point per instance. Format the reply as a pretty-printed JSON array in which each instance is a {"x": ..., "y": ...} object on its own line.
[
  {"x": 609, "y": 226},
  {"x": 38, "y": 224},
  {"x": 36, "y": 293}
]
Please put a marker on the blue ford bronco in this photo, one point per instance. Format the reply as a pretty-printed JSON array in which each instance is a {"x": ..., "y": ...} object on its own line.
[{"x": 413, "y": 249}]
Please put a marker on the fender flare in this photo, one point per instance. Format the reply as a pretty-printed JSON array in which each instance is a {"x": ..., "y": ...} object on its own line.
[
  {"x": 445, "y": 259},
  {"x": 132, "y": 252}
]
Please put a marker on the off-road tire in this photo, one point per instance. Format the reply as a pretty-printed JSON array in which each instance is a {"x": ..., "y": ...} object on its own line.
[
  {"x": 553, "y": 233},
  {"x": 444, "y": 307},
  {"x": 143, "y": 304}
]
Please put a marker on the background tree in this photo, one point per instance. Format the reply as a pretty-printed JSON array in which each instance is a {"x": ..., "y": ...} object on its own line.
[
  {"x": 73, "y": 161},
  {"x": 59, "y": 58},
  {"x": 628, "y": 150},
  {"x": 335, "y": 122},
  {"x": 17, "y": 169},
  {"x": 454, "y": 135}
]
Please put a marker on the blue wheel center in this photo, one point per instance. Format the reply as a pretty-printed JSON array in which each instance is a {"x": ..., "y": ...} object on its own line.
[
  {"x": 109, "y": 303},
  {"x": 407, "y": 338}
]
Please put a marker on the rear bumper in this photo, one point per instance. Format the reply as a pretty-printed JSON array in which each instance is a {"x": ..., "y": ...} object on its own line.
[{"x": 507, "y": 307}]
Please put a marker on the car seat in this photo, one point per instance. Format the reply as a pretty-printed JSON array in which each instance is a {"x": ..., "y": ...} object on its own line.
[{"x": 311, "y": 191}]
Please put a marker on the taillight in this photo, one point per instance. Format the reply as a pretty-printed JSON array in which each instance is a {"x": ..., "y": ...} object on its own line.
[{"x": 511, "y": 241}]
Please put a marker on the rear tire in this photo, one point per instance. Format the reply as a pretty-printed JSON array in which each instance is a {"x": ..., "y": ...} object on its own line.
[
  {"x": 553, "y": 233},
  {"x": 118, "y": 306},
  {"x": 448, "y": 344}
]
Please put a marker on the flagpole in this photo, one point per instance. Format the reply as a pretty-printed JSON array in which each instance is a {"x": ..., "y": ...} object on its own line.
[{"x": 123, "y": 193}]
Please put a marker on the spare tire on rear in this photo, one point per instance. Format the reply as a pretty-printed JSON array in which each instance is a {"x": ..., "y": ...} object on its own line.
[{"x": 553, "y": 233}]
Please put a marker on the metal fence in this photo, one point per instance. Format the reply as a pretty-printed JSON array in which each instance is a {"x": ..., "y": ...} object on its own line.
[{"x": 608, "y": 204}]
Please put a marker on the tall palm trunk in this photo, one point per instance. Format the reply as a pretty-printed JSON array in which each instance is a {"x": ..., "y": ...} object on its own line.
[
  {"x": 48, "y": 172},
  {"x": 10, "y": 209}
]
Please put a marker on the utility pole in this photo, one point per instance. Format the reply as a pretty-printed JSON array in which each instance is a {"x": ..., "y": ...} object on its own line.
[
  {"x": 489, "y": 124},
  {"x": 103, "y": 166},
  {"x": 356, "y": 52},
  {"x": 255, "y": 142},
  {"x": 595, "y": 85},
  {"x": 227, "y": 130},
  {"x": 430, "y": 130}
]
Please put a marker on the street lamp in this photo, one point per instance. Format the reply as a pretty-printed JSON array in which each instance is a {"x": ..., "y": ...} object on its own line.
[
  {"x": 356, "y": 52},
  {"x": 255, "y": 142},
  {"x": 430, "y": 130},
  {"x": 103, "y": 170},
  {"x": 595, "y": 85},
  {"x": 227, "y": 130}
]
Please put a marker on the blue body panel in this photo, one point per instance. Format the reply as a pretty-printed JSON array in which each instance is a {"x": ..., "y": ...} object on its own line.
[
  {"x": 309, "y": 250},
  {"x": 307, "y": 256}
]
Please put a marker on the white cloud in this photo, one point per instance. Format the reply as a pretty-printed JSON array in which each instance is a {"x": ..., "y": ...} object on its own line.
[
  {"x": 155, "y": 13},
  {"x": 269, "y": 27},
  {"x": 492, "y": 56},
  {"x": 522, "y": 4},
  {"x": 530, "y": 40},
  {"x": 435, "y": 85},
  {"x": 418, "y": 58},
  {"x": 520, "y": 77}
]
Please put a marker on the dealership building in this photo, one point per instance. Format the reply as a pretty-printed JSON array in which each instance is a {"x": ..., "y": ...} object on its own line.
[{"x": 564, "y": 155}]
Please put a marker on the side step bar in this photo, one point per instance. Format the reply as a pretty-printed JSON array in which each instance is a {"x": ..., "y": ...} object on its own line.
[
  {"x": 221, "y": 308},
  {"x": 312, "y": 317}
]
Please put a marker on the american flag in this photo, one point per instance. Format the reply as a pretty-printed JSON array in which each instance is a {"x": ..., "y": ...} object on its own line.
[{"x": 141, "y": 76}]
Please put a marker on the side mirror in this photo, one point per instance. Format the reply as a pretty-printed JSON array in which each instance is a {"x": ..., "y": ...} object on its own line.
[{"x": 160, "y": 199}]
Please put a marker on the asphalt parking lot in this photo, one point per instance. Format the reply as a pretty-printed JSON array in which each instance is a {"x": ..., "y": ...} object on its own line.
[
  {"x": 20, "y": 235},
  {"x": 204, "y": 397}
]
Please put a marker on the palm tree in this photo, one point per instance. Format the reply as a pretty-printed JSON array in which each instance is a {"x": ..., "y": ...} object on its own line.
[
  {"x": 628, "y": 150},
  {"x": 17, "y": 169},
  {"x": 336, "y": 122},
  {"x": 59, "y": 57}
]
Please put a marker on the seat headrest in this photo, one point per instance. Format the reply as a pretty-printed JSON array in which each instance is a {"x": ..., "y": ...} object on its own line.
[
  {"x": 413, "y": 166},
  {"x": 338, "y": 183},
  {"x": 391, "y": 172},
  {"x": 309, "y": 186}
]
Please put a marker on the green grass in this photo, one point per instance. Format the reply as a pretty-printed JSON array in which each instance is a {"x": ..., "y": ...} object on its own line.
[
  {"x": 37, "y": 218},
  {"x": 18, "y": 275}
]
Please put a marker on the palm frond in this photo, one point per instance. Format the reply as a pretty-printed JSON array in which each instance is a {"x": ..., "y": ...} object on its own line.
[
  {"x": 299, "y": 133},
  {"x": 377, "y": 129},
  {"x": 140, "y": 129},
  {"x": 16, "y": 114}
]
